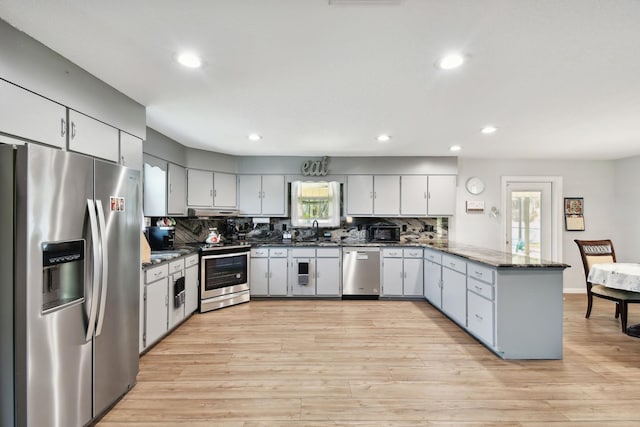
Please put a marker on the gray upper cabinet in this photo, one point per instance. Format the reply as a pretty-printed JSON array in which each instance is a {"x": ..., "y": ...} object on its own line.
[
  {"x": 155, "y": 187},
  {"x": 177, "y": 190},
  {"x": 377, "y": 195},
  {"x": 30, "y": 116},
  {"x": 359, "y": 195},
  {"x": 413, "y": 195},
  {"x": 199, "y": 188},
  {"x": 92, "y": 137},
  {"x": 130, "y": 151},
  {"x": 442, "y": 195},
  {"x": 224, "y": 190},
  {"x": 262, "y": 195}
]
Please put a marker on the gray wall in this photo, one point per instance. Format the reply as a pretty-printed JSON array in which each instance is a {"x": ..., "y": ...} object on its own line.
[
  {"x": 30, "y": 64},
  {"x": 161, "y": 146},
  {"x": 626, "y": 209},
  {"x": 592, "y": 179},
  {"x": 290, "y": 165}
]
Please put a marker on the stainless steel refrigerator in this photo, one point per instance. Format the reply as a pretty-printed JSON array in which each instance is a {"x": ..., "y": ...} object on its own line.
[{"x": 70, "y": 285}]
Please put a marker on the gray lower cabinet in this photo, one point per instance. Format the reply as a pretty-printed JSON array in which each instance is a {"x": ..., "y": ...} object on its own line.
[
  {"x": 281, "y": 272},
  {"x": 268, "y": 271},
  {"x": 159, "y": 310},
  {"x": 156, "y": 304},
  {"x": 454, "y": 289},
  {"x": 328, "y": 272},
  {"x": 515, "y": 311},
  {"x": 402, "y": 273},
  {"x": 433, "y": 277},
  {"x": 190, "y": 284},
  {"x": 175, "y": 305},
  {"x": 303, "y": 272}
]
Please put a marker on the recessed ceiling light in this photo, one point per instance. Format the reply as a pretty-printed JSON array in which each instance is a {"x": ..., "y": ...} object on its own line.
[
  {"x": 384, "y": 138},
  {"x": 190, "y": 60},
  {"x": 451, "y": 61},
  {"x": 487, "y": 130},
  {"x": 254, "y": 137},
  {"x": 455, "y": 148}
]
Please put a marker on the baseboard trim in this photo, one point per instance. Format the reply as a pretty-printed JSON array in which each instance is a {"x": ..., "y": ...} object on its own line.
[{"x": 574, "y": 291}]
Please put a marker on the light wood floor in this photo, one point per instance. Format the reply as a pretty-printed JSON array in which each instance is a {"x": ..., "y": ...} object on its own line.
[{"x": 378, "y": 363}]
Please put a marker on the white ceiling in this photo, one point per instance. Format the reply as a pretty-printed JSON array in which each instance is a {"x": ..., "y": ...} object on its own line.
[{"x": 559, "y": 78}]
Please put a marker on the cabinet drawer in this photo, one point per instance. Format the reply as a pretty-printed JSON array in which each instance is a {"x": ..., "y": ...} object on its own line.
[
  {"x": 191, "y": 260},
  {"x": 391, "y": 252},
  {"x": 454, "y": 263},
  {"x": 328, "y": 252},
  {"x": 481, "y": 288},
  {"x": 259, "y": 253},
  {"x": 155, "y": 273},
  {"x": 481, "y": 272},
  {"x": 480, "y": 318},
  {"x": 434, "y": 256},
  {"x": 307, "y": 253},
  {"x": 412, "y": 253},
  {"x": 278, "y": 253},
  {"x": 175, "y": 266}
]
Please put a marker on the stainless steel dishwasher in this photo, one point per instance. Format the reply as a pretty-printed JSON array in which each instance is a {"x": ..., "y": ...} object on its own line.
[{"x": 360, "y": 272}]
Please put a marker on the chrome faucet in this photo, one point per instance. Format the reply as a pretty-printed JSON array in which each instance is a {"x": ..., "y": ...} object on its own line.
[{"x": 315, "y": 225}]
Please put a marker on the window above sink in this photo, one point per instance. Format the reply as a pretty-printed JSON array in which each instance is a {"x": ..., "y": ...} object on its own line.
[{"x": 315, "y": 201}]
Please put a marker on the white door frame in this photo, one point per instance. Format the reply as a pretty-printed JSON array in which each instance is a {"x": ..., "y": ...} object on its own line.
[{"x": 556, "y": 209}]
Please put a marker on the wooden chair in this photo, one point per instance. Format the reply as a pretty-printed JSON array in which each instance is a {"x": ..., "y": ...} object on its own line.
[{"x": 597, "y": 252}]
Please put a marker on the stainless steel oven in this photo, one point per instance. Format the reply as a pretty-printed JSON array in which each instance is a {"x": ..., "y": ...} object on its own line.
[{"x": 224, "y": 274}]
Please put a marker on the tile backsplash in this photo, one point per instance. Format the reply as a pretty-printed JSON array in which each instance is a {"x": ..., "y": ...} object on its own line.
[{"x": 413, "y": 230}]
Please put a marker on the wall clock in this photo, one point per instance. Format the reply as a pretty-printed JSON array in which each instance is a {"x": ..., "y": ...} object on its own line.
[{"x": 475, "y": 185}]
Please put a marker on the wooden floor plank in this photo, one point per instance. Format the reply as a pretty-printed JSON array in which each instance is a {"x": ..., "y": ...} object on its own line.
[{"x": 378, "y": 363}]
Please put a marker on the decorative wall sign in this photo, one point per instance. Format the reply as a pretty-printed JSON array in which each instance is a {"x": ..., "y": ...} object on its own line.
[
  {"x": 574, "y": 213},
  {"x": 316, "y": 167}
]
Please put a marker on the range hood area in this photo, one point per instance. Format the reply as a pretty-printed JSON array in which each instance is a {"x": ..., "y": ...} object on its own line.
[{"x": 211, "y": 213}]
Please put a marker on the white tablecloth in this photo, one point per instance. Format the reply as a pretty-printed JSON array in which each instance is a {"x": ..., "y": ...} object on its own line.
[{"x": 617, "y": 275}]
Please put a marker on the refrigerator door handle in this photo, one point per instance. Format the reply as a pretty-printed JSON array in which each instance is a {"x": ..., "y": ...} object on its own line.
[
  {"x": 105, "y": 266},
  {"x": 95, "y": 240}
]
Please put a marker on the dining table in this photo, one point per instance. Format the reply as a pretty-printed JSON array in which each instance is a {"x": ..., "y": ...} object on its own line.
[{"x": 618, "y": 275}]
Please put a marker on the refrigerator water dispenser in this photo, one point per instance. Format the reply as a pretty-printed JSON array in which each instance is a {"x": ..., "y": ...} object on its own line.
[{"x": 62, "y": 274}]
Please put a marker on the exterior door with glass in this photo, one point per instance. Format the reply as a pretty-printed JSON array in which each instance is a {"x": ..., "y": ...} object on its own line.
[{"x": 529, "y": 219}]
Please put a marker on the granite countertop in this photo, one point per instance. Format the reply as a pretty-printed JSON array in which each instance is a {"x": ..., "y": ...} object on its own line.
[
  {"x": 158, "y": 257},
  {"x": 490, "y": 257},
  {"x": 481, "y": 255},
  {"x": 495, "y": 258}
]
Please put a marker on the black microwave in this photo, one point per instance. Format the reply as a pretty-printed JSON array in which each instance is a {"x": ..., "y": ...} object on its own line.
[
  {"x": 383, "y": 233},
  {"x": 161, "y": 238}
]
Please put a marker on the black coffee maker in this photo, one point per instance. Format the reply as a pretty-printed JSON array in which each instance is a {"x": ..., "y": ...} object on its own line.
[{"x": 231, "y": 231}]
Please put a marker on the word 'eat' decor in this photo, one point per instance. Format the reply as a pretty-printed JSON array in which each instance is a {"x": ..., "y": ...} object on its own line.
[{"x": 316, "y": 167}]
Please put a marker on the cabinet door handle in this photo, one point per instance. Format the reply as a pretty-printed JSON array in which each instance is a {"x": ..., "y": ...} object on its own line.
[
  {"x": 429, "y": 195},
  {"x": 211, "y": 192},
  {"x": 263, "y": 195},
  {"x": 170, "y": 188},
  {"x": 477, "y": 287},
  {"x": 215, "y": 193},
  {"x": 73, "y": 130},
  {"x": 478, "y": 317},
  {"x": 371, "y": 195},
  {"x": 478, "y": 273},
  {"x": 122, "y": 160},
  {"x": 425, "y": 194},
  {"x": 405, "y": 275},
  {"x": 63, "y": 127},
  {"x": 259, "y": 194},
  {"x": 375, "y": 194}
]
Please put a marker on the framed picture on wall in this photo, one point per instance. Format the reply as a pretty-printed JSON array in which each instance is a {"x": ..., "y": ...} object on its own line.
[{"x": 574, "y": 213}]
